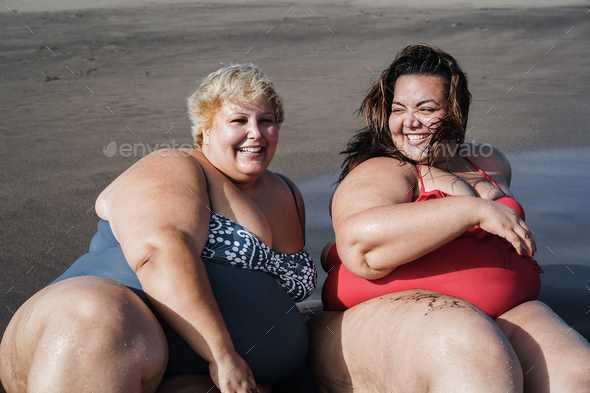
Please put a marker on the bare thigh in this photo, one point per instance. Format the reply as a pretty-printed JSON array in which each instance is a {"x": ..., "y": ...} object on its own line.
[
  {"x": 554, "y": 357},
  {"x": 84, "y": 332},
  {"x": 412, "y": 341}
]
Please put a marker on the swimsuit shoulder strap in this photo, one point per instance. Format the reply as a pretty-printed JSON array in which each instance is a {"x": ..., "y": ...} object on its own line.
[
  {"x": 421, "y": 181},
  {"x": 284, "y": 179},
  {"x": 207, "y": 187},
  {"x": 484, "y": 175}
]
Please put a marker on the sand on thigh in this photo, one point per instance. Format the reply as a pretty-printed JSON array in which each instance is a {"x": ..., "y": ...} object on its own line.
[
  {"x": 83, "y": 331},
  {"x": 414, "y": 341}
]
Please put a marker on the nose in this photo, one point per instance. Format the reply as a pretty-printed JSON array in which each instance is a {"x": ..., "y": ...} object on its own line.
[
  {"x": 410, "y": 121},
  {"x": 254, "y": 130}
]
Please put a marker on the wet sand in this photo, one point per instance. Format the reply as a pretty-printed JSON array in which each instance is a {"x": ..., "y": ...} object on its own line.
[{"x": 77, "y": 76}]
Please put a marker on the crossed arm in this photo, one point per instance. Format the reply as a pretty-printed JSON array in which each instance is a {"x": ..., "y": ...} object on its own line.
[{"x": 378, "y": 229}]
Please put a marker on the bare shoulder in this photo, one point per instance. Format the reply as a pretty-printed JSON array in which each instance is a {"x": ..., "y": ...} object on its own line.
[
  {"x": 280, "y": 181},
  {"x": 377, "y": 173},
  {"x": 169, "y": 168},
  {"x": 376, "y": 182},
  {"x": 491, "y": 160}
]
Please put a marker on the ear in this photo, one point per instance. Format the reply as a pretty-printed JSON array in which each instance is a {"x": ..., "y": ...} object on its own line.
[{"x": 206, "y": 133}]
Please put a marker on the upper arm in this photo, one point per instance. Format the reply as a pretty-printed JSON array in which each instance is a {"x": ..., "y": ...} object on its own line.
[
  {"x": 159, "y": 200},
  {"x": 503, "y": 166},
  {"x": 376, "y": 182}
]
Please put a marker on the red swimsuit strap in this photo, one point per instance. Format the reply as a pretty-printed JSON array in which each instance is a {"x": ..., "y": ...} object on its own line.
[
  {"x": 421, "y": 182},
  {"x": 485, "y": 175}
]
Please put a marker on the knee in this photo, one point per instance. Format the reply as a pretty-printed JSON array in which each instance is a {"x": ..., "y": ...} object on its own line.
[
  {"x": 574, "y": 364},
  {"x": 83, "y": 327},
  {"x": 98, "y": 301},
  {"x": 458, "y": 329},
  {"x": 102, "y": 315}
]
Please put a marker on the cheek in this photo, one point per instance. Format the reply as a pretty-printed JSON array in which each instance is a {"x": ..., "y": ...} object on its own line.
[
  {"x": 231, "y": 137},
  {"x": 272, "y": 135},
  {"x": 395, "y": 126}
]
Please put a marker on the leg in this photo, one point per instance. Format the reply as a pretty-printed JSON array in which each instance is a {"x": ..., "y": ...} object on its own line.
[
  {"x": 554, "y": 357},
  {"x": 83, "y": 333},
  {"x": 190, "y": 383},
  {"x": 411, "y": 341}
]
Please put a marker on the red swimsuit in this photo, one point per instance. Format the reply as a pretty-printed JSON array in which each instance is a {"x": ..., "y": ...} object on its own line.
[{"x": 478, "y": 267}]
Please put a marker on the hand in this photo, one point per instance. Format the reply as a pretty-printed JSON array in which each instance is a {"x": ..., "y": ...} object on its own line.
[
  {"x": 500, "y": 220},
  {"x": 231, "y": 374}
]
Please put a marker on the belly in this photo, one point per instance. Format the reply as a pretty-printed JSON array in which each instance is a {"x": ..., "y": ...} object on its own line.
[
  {"x": 266, "y": 327},
  {"x": 485, "y": 272}
]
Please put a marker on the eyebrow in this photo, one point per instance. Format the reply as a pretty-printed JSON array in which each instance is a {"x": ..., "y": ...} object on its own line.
[{"x": 420, "y": 103}]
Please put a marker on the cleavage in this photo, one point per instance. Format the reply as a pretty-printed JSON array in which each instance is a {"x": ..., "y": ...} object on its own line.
[{"x": 469, "y": 183}]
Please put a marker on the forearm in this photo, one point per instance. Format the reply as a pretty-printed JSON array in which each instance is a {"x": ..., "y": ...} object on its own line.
[
  {"x": 373, "y": 243},
  {"x": 175, "y": 280}
]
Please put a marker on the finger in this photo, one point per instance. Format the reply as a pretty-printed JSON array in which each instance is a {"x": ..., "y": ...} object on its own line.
[
  {"x": 524, "y": 248},
  {"x": 516, "y": 242},
  {"x": 524, "y": 236},
  {"x": 531, "y": 245},
  {"x": 532, "y": 238},
  {"x": 517, "y": 238},
  {"x": 528, "y": 238},
  {"x": 527, "y": 245}
]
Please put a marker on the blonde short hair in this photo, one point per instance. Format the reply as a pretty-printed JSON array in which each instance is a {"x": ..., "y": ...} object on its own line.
[{"x": 238, "y": 83}]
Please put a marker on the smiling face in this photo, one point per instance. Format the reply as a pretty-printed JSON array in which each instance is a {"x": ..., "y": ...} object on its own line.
[
  {"x": 242, "y": 140},
  {"x": 418, "y": 103}
]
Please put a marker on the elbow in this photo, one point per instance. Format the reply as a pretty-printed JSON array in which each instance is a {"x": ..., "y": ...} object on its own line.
[
  {"x": 142, "y": 257},
  {"x": 363, "y": 260},
  {"x": 147, "y": 259},
  {"x": 167, "y": 246},
  {"x": 369, "y": 267}
]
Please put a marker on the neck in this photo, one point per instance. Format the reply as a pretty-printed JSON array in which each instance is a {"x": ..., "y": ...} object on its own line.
[
  {"x": 248, "y": 184},
  {"x": 444, "y": 154}
]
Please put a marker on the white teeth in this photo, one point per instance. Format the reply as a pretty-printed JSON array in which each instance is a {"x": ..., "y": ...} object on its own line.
[
  {"x": 250, "y": 149},
  {"x": 415, "y": 138}
]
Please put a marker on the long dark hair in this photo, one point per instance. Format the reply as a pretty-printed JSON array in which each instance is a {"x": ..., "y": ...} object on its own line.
[{"x": 375, "y": 139}]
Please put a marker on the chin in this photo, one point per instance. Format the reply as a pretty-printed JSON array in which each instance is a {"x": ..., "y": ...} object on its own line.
[
  {"x": 418, "y": 156},
  {"x": 254, "y": 171}
]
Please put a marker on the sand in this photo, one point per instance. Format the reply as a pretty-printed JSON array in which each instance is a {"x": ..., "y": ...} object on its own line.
[{"x": 77, "y": 76}]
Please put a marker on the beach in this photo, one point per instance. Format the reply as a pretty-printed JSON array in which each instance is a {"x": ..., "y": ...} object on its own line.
[{"x": 88, "y": 88}]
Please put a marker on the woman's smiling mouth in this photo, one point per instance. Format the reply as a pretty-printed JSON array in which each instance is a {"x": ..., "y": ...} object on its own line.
[
  {"x": 416, "y": 139},
  {"x": 250, "y": 149}
]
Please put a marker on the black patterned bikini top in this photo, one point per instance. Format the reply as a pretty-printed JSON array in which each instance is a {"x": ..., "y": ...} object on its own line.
[{"x": 231, "y": 244}]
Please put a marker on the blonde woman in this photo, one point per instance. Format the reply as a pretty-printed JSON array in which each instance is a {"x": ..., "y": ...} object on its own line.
[{"x": 192, "y": 275}]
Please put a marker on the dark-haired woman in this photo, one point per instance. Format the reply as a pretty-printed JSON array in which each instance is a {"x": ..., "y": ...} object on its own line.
[{"x": 433, "y": 265}]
